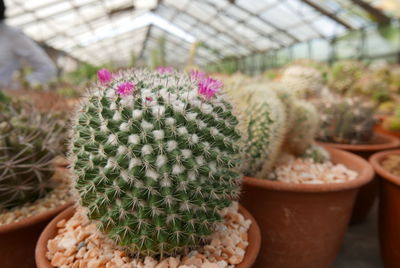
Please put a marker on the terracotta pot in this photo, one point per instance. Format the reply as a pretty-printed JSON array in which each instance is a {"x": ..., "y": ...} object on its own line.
[
  {"x": 18, "y": 240},
  {"x": 389, "y": 211},
  {"x": 50, "y": 232},
  {"x": 303, "y": 224},
  {"x": 368, "y": 193}
]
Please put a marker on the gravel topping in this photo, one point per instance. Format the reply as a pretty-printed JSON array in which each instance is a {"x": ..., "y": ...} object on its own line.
[
  {"x": 80, "y": 244},
  {"x": 303, "y": 170}
]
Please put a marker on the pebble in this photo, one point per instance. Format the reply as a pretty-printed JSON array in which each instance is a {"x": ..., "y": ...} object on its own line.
[
  {"x": 79, "y": 244},
  {"x": 306, "y": 171},
  {"x": 392, "y": 164}
]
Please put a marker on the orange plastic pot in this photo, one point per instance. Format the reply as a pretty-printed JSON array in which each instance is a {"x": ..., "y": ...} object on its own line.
[
  {"x": 368, "y": 193},
  {"x": 254, "y": 238},
  {"x": 18, "y": 240},
  {"x": 389, "y": 211},
  {"x": 302, "y": 225}
]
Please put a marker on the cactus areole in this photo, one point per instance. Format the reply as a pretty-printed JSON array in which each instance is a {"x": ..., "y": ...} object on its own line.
[{"x": 155, "y": 162}]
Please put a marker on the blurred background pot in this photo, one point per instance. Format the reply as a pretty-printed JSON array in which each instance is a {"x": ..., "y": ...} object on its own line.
[
  {"x": 18, "y": 240},
  {"x": 389, "y": 210},
  {"x": 367, "y": 195},
  {"x": 303, "y": 224}
]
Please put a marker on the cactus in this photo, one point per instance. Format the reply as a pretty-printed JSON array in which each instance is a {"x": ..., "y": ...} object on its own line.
[
  {"x": 29, "y": 140},
  {"x": 305, "y": 80},
  {"x": 317, "y": 153},
  {"x": 272, "y": 121},
  {"x": 392, "y": 123},
  {"x": 346, "y": 121},
  {"x": 344, "y": 75},
  {"x": 155, "y": 159},
  {"x": 262, "y": 120},
  {"x": 304, "y": 127}
]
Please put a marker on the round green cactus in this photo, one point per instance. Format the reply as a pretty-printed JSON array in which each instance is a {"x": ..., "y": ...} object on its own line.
[
  {"x": 29, "y": 141},
  {"x": 155, "y": 159}
]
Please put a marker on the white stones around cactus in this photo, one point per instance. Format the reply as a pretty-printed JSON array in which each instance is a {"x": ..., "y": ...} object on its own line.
[
  {"x": 306, "y": 171},
  {"x": 79, "y": 244}
]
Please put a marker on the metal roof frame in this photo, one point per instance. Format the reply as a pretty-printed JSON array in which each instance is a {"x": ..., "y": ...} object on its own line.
[{"x": 277, "y": 36}]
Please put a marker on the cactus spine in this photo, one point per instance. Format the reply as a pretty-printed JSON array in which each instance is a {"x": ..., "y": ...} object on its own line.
[
  {"x": 29, "y": 140},
  {"x": 272, "y": 121},
  {"x": 155, "y": 159}
]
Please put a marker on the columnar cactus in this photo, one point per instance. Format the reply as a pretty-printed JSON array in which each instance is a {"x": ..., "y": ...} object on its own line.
[
  {"x": 304, "y": 127},
  {"x": 262, "y": 120},
  {"x": 155, "y": 159},
  {"x": 29, "y": 141},
  {"x": 304, "y": 81},
  {"x": 271, "y": 120},
  {"x": 346, "y": 121}
]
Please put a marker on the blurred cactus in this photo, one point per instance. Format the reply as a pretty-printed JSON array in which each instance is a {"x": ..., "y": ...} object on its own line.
[
  {"x": 392, "y": 123},
  {"x": 344, "y": 74},
  {"x": 304, "y": 127},
  {"x": 317, "y": 153},
  {"x": 271, "y": 121},
  {"x": 346, "y": 121},
  {"x": 305, "y": 81},
  {"x": 29, "y": 140}
]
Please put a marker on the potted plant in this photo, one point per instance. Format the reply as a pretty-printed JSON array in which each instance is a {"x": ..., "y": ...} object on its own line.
[
  {"x": 154, "y": 156},
  {"x": 390, "y": 124},
  {"x": 303, "y": 213},
  {"x": 31, "y": 192},
  {"x": 348, "y": 124},
  {"x": 387, "y": 167}
]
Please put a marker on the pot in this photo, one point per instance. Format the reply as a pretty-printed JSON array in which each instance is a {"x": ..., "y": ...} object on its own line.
[
  {"x": 368, "y": 193},
  {"x": 18, "y": 240},
  {"x": 378, "y": 128},
  {"x": 389, "y": 211},
  {"x": 304, "y": 224},
  {"x": 254, "y": 236}
]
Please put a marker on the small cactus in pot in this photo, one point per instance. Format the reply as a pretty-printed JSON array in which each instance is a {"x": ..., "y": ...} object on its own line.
[
  {"x": 29, "y": 141},
  {"x": 155, "y": 159},
  {"x": 349, "y": 121}
]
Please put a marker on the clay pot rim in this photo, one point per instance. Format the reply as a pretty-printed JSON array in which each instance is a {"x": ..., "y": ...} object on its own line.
[
  {"x": 376, "y": 160},
  {"x": 33, "y": 219},
  {"x": 254, "y": 234},
  {"x": 390, "y": 143},
  {"x": 365, "y": 176}
]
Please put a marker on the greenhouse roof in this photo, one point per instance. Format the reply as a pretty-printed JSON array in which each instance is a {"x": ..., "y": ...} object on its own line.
[{"x": 99, "y": 31}]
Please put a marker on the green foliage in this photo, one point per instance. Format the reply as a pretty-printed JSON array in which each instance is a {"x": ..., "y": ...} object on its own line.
[
  {"x": 29, "y": 141},
  {"x": 155, "y": 167}
]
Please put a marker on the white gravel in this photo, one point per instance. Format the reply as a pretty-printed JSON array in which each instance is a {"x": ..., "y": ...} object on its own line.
[
  {"x": 303, "y": 170},
  {"x": 80, "y": 244}
]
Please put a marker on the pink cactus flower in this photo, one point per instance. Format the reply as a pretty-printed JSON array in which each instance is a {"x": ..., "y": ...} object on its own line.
[
  {"x": 149, "y": 99},
  {"x": 104, "y": 76},
  {"x": 209, "y": 86},
  {"x": 165, "y": 69},
  {"x": 125, "y": 88},
  {"x": 197, "y": 75}
]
